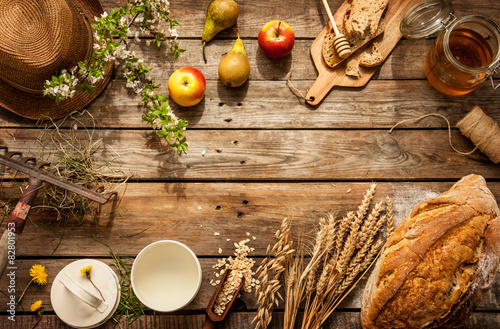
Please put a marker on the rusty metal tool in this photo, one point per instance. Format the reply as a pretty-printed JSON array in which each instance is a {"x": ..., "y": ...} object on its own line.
[
  {"x": 15, "y": 226},
  {"x": 213, "y": 318}
]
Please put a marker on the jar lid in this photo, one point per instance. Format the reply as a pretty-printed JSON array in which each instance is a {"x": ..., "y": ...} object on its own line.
[
  {"x": 77, "y": 302},
  {"x": 426, "y": 19}
]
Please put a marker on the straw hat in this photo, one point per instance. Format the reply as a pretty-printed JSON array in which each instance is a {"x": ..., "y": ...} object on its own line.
[{"x": 38, "y": 38}]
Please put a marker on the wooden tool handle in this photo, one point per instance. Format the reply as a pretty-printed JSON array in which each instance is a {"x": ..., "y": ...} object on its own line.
[{"x": 20, "y": 213}]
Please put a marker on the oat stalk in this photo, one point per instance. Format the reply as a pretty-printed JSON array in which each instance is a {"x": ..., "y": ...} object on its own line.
[{"x": 342, "y": 251}]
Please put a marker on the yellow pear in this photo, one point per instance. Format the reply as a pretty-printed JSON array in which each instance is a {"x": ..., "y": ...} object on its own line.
[
  {"x": 234, "y": 67},
  {"x": 221, "y": 14}
]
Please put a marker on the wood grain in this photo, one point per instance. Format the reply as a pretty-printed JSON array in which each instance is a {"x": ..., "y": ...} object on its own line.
[
  {"x": 199, "y": 303},
  {"x": 281, "y": 154},
  {"x": 240, "y": 320},
  {"x": 307, "y": 18},
  {"x": 193, "y": 212},
  {"x": 267, "y": 155}
]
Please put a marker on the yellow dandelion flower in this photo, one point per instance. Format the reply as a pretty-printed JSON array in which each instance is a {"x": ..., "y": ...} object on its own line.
[
  {"x": 86, "y": 271},
  {"x": 38, "y": 274},
  {"x": 36, "y": 306}
]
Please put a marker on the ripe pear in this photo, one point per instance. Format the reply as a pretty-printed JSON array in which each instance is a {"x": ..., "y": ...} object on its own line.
[
  {"x": 234, "y": 67},
  {"x": 221, "y": 14}
]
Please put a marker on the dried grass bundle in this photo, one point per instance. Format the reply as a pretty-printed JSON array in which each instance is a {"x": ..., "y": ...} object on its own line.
[
  {"x": 70, "y": 153},
  {"x": 343, "y": 249}
]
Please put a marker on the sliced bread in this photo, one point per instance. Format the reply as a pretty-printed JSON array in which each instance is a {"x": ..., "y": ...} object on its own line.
[
  {"x": 352, "y": 69},
  {"x": 375, "y": 58},
  {"x": 330, "y": 54},
  {"x": 362, "y": 20}
]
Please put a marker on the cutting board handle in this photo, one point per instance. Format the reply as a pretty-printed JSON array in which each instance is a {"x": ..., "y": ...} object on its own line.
[{"x": 319, "y": 89}]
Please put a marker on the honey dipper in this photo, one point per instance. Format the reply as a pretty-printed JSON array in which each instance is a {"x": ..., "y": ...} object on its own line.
[{"x": 339, "y": 41}]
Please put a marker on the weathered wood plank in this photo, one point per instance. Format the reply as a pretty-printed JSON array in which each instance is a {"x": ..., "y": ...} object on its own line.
[
  {"x": 193, "y": 212},
  {"x": 283, "y": 154},
  {"x": 406, "y": 61},
  {"x": 235, "y": 320},
  {"x": 248, "y": 300},
  {"x": 271, "y": 104},
  {"x": 306, "y": 17},
  {"x": 264, "y": 68}
]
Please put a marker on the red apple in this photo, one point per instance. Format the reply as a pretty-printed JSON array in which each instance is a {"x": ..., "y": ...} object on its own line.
[
  {"x": 276, "y": 39},
  {"x": 186, "y": 86}
]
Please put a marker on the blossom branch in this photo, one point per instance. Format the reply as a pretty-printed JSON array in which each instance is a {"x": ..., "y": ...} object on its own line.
[{"x": 146, "y": 15}]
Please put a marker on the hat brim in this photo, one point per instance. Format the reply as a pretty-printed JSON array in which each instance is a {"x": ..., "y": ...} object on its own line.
[{"x": 39, "y": 107}]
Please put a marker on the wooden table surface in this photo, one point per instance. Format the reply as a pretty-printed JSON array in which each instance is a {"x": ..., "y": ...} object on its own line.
[{"x": 257, "y": 154}]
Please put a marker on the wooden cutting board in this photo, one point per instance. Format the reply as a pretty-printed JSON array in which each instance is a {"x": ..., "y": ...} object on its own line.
[{"x": 330, "y": 77}]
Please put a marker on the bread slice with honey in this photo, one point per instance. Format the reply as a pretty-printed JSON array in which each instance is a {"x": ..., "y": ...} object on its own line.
[
  {"x": 362, "y": 20},
  {"x": 439, "y": 262},
  {"x": 330, "y": 55}
]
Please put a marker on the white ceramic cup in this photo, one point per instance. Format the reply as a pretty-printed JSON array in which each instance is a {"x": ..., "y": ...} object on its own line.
[{"x": 166, "y": 276}]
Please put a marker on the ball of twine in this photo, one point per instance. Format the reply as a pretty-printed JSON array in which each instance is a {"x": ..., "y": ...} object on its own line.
[{"x": 483, "y": 131}]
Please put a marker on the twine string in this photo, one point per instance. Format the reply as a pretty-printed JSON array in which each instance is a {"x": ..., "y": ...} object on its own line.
[
  {"x": 449, "y": 131},
  {"x": 483, "y": 131},
  {"x": 294, "y": 89}
]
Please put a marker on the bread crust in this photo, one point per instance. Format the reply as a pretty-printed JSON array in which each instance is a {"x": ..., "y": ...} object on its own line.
[
  {"x": 437, "y": 265},
  {"x": 375, "y": 58},
  {"x": 363, "y": 18}
]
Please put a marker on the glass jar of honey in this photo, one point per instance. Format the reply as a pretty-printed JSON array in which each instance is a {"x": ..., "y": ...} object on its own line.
[{"x": 466, "y": 51}]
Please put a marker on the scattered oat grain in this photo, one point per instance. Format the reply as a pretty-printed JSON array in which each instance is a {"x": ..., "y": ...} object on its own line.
[{"x": 241, "y": 267}]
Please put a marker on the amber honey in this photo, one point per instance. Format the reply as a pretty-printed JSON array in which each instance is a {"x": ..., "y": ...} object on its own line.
[
  {"x": 470, "y": 48},
  {"x": 457, "y": 66}
]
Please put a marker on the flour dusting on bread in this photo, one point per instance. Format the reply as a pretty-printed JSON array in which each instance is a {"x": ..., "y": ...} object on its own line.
[{"x": 439, "y": 262}]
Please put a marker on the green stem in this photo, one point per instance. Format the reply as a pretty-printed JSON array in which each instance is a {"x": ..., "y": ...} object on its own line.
[
  {"x": 24, "y": 291},
  {"x": 100, "y": 293},
  {"x": 36, "y": 323}
]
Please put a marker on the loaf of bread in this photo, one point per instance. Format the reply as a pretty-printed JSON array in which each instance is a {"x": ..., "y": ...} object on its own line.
[
  {"x": 437, "y": 265},
  {"x": 362, "y": 20}
]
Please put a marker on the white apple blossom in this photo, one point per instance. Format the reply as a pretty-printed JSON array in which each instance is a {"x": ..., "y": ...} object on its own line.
[{"x": 148, "y": 17}]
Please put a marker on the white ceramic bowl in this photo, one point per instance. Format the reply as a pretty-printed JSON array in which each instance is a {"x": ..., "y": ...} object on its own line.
[{"x": 166, "y": 276}]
